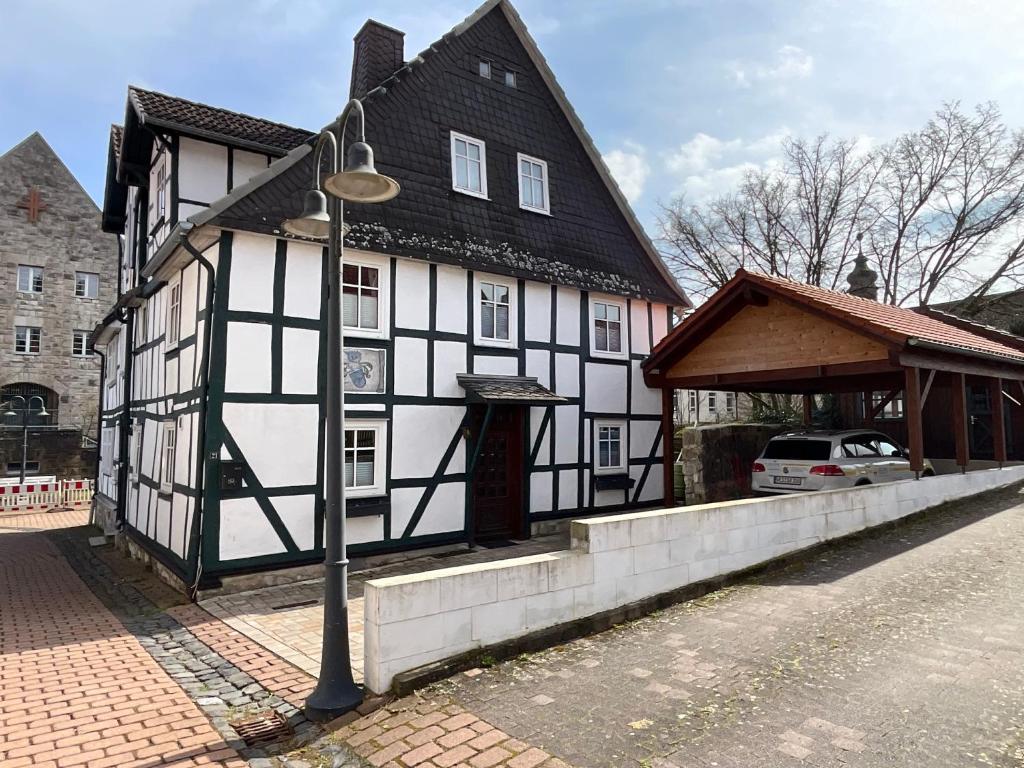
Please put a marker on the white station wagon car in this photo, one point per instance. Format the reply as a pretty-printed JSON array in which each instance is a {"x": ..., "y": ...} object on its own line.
[{"x": 824, "y": 460}]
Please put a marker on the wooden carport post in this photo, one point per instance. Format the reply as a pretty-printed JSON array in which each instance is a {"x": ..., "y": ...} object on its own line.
[
  {"x": 958, "y": 391},
  {"x": 995, "y": 388},
  {"x": 915, "y": 430},
  {"x": 668, "y": 447},
  {"x": 808, "y": 410}
]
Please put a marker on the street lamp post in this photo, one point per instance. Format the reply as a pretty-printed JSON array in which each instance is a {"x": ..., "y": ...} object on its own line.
[
  {"x": 26, "y": 411},
  {"x": 336, "y": 692}
]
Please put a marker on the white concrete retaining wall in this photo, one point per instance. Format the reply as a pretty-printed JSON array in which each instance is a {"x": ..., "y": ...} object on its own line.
[{"x": 616, "y": 560}]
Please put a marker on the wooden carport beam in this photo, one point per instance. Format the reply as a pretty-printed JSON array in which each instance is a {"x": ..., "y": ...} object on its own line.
[
  {"x": 995, "y": 388},
  {"x": 958, "y": 391},
  {"x": 915, "y": 430},
  {"x": 668, "y": 448}
]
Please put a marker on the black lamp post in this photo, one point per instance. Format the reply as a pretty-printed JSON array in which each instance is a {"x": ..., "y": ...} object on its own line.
[
  {"x": 336, "y": 692},
  {"x": 26, "y": 411}
]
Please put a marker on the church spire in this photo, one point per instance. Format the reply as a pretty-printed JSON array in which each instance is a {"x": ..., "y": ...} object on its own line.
[{"x": 862, "y": 278}]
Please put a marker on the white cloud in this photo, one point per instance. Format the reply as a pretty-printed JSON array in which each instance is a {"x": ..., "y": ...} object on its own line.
[
  {"x": 790, "y": 62},
  {"x": 707, "y": 166},
  {"x": 629, "y": 168}
]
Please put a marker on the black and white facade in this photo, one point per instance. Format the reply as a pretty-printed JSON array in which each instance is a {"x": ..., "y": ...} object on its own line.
[{"x": 496, "y": 314}]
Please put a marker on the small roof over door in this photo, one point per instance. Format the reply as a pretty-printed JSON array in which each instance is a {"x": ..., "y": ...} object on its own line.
[{"x": 492, "y": 389}]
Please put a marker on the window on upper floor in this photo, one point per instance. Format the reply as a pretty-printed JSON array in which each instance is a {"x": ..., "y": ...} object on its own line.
[
  {"x": 692, "y": 402},
  {"x": 533, "y": 184},
  {"x": 485, "y": 68},
  {"x": 173, "y": 315},
  {"x": 142, "y": 325},
  {"x": 712, "y": 403},
  {"x": 167, "y": 460},
  {"x": 607, "y": 328},
  {"x": 161, "y": 191},
  {"x": 510, "y": 78},
  {"x": 610, "y": 439},
  {"x": 135, "y": 457},
  {"x": 30, "y": 279},
  {"x": 495, "y": 311},
  {"x": 365, "y": 455},
  {"x": 469, "y": 165},
  {"x": 730, "y": 403},
  {"x": 362, "y": 298},
  {"x": 87, "y": 285},
  {"x": 80, "y": 344},
  {"x": 27, "y": 339}
]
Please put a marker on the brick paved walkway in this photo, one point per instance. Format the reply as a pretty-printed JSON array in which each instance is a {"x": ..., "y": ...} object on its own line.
[
  {"x": 78, "y": 689},
  {"x": 904, "y": 648},
  {"x": 43, "y": 521}
]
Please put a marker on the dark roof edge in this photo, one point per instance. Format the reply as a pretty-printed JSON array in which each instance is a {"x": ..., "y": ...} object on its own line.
[{"x": 957, "y": 349}]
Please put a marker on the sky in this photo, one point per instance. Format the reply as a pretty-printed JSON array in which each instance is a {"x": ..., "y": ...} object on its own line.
[{"x": 681, "y": 96}]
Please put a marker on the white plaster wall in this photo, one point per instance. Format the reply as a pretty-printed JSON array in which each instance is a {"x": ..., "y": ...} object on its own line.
[
  {"x": 245, "y": 165},
  {"x": 252, "y": 273},
  {"x": 412, "y": 294},
  {"x": 289, "y": 456},
  {"x": 245, "y": 531},
  {"x": 303, "y": 266},
  {"x": 606, "y": 388},
  {"x": 493, "y": 364},
  {"x": 410, "y": 366},
  {"x": 450, "y": 359},
  {"x": 538, "y": 311},
  {"x": 416, "y": 619},
  {"x": 640, "y": 338},
  {"x": 538, "y": 365},
  {"x": 297, "y": 514},
  {"x": 248, "y": 364},
  {"x": 420, "y": 436},
  {"x": 567, "y": 374},
  {"x": 566, "y": 431},
  {"x": 451, "y": 299},
  {"x": 202, "y": 170},
  {"x": 568, "y": 307},
  {"x": 299, "y": 356}
]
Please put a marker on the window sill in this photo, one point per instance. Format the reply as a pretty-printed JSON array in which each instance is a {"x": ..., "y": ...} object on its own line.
[
  {"x": 613, "y": 482},
  {"x": 367, "y": 506},
  {"x": 470, "y": 193},
  {"x": 528, "y": 209},
  {"x": 608, "y": 355},
  {"x": 496, "y": 343}
]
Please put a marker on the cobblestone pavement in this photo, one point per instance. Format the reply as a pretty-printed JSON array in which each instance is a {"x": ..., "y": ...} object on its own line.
[
  {"x": 901, "y": 648},
  {"x": 288, "y": 619},
  {"x": 78, "y": 689}
]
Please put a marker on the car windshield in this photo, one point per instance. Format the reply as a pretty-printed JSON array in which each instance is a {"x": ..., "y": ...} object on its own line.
[{"x": 798, "y": 450}]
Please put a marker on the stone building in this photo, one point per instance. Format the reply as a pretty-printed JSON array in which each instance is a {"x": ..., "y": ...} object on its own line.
[{"x": 58, "y": 279}]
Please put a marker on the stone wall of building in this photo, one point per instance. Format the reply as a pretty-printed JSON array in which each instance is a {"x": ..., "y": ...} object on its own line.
[
  {"x": 64, "y": 238},
  {"x": 57, "y": 451},
  {"x": 716, "y": 459}
]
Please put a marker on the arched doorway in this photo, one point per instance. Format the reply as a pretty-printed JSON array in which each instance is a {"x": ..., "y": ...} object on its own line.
[{"x": 29, "y": 407}]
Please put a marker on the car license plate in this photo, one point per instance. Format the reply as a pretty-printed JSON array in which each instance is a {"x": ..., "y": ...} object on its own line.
[{"x": 782, "y": 480}]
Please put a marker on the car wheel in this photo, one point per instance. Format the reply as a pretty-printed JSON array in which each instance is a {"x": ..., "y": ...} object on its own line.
[
  {"x": 928, "y": 473},
  {"x": 862, "y": 482}
]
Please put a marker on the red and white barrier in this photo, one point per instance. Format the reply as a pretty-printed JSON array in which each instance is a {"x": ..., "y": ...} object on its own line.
[{"x": 38, "y": 497}]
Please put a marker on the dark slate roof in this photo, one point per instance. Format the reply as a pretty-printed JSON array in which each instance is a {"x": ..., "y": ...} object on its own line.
[
  {"x": 512, "y": 390},
  {"x": 998, "y": 310},
  {"x": 116, "y": 136},
  {"x": 202, "y": 120},
  {"x": 591, "y": 240}
]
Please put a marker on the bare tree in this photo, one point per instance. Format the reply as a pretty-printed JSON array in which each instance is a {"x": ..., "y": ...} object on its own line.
[{"x": 942, "y": 209}]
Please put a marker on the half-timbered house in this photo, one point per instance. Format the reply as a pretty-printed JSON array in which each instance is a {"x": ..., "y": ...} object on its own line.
[{"x": 496, "y": 314}]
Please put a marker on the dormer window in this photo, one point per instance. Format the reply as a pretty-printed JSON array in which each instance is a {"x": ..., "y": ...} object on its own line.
[
  {"x": 485, "y": 68},
  {"x": 469, "y": 165},
  {"x": 533, "y": 184}
]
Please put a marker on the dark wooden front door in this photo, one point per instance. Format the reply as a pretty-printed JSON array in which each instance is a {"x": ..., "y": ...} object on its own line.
[{"x": 498, "y": 474}]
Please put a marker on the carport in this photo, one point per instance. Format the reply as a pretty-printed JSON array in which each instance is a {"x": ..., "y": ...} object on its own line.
[{"x": 762, "y": 334}]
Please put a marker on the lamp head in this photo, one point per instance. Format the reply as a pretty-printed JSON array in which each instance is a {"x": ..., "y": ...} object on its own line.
[
  {"x": 360, "y": 182},
  {"x": 44, "y": 412},
  {"x": 314, "y": 221},
  {"x": 8, "y": 413}
]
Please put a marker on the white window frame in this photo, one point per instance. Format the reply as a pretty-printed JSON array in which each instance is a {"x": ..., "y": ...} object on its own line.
[
  {"x": 142, "y": 324},
  {"x": 481, "y": 65},
  {"x": 168, "y": 455},
  {"x": 520, "y": 159},
  {"x": 161, "y": 189},
  {"x": 511, "y": 78},
  {"x": 623, "y": 352},
  {"x": 135, "y": 454},
  {"x": 95, "y": 282},
  {"x": 513, "y": 310},
  {"x": 379, "y": 488},
  {"x": 383, "y": 267},
  {"x": 33, "y": 272},
  {"x": 692, "y": 402},
  {"x": 86, "y": 349},
  {"x": 712, "y": 403},
  {"x": 730, "y": 403},
  {"x": 623, "y": 466},
  {"x": 173, "y": 332},
  {"x": 28, "y": 339},
  {"x": 482, "y": 194},
  {"x": 894, "y": 409}
]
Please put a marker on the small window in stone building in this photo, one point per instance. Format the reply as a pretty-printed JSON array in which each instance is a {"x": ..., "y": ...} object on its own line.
[
  {"x": 80, "y": 344},
  {"x": 30, "y": 279},
  {"x": 27, "y": 339},
  {"x": 485, "y": 68},
  {"x": 87, "y": 285}
]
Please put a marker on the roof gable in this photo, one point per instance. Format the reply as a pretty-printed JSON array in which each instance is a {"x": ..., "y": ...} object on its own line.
[
  {"x": 591, "y": 239},
  {"x": 57, "y": 172}
]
